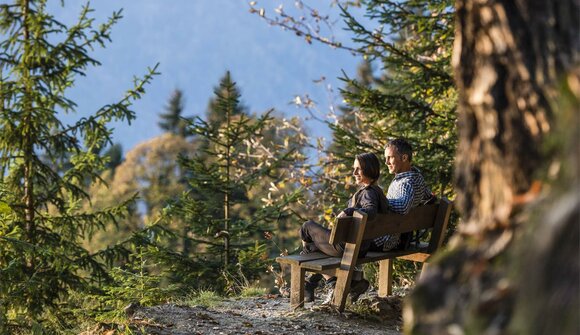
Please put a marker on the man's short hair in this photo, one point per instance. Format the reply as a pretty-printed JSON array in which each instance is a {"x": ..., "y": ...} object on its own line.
[
  {"x": 370, "y": 165},
  {"x": 402, "y": 146}
]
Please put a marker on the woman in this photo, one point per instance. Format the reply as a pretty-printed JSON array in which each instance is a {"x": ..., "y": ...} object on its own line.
[{"x": 369, "y": 199}]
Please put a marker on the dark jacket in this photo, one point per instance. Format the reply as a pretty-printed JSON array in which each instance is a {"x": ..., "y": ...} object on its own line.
[{"x": 369, "y": 199}]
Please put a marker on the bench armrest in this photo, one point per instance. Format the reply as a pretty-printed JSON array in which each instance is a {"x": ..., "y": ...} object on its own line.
[{"x": 345, "y": 228}]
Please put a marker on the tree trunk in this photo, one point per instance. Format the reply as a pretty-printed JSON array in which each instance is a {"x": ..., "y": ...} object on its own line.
[
  {"x": 510, "y": 60},
  {"x": 27, "y": 141}
]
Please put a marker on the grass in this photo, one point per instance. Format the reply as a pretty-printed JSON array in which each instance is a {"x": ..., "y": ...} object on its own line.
[
  {"x": 204, "y": 298},
  {"x": 208, "y": 298},
  {"x": 252, "y": 291}
]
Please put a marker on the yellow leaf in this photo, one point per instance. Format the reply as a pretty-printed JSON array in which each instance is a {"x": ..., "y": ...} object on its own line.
[{"x": 4, "y": 208}]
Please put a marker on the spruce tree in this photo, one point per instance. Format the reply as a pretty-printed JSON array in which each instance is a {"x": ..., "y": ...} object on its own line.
[
  {"x": 415, "y": 97},
  {"x": 173, "y": 120},
  {"x": 114, "y": 156},
  {"x": 215, "y": 115},
  {"x": 239, "y": 162},
  {"x": 175, "y": 123},
  {"x": 42, "y": 260}
]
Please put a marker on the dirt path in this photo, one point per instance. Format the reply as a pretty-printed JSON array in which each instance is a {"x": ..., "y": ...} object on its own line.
[{"x": 270, "y": 315}]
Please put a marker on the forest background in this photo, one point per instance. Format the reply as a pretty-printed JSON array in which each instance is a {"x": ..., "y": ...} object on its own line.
[{"x": 87, "y": 230}]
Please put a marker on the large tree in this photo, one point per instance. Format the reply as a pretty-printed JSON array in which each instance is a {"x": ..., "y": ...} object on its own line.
[
  {"x": 42, "y": 260},
  {"x": 513, "y": 266}
]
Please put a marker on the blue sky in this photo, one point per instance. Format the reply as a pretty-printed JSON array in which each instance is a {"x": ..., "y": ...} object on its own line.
[{"x": 195, "y": 42}]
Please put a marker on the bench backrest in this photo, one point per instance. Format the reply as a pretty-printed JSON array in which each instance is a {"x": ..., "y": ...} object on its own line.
[{"x": 433, "y": 216}]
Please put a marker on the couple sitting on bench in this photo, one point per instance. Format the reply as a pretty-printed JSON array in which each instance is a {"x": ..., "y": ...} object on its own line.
[{"x": 406, "y": 191}]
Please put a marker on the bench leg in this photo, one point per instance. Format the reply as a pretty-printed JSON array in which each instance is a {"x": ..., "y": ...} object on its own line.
[
  {"x": 297, "y": 286},
  {"x": 385, "y": 277},
  {"x": 341, "y": 289}
]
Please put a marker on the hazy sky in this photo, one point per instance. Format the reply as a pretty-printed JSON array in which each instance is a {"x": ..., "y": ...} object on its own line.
[{"x": 195, "y": 42}]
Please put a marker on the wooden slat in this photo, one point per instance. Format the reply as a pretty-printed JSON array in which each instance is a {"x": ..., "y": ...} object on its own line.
[
  {"x": 416, "y": 257},
  {"x": 377, "y": 256},
  {"x": 342, "y": 231},
  {"x": 322, "y": 264},
  {"x": 342, "y": 288},
  {"x": 422, "y": 217},
  {"x": 440, "y": 228},
  {"x": 298, "y": 259},
  {"x": 327, "y": 263}
]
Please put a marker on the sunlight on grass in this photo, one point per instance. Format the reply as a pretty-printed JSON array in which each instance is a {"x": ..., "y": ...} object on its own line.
[
  {"x": 204, "y": 298},
  {"x": 252, "y": 291}
]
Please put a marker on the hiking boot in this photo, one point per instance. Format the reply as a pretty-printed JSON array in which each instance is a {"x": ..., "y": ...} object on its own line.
[
  {"x": 310, "y": 286},
  {"x": 358, "y": 287}
]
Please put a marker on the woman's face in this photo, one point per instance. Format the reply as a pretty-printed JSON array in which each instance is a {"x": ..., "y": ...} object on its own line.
[{"x": 360, "y": 178}]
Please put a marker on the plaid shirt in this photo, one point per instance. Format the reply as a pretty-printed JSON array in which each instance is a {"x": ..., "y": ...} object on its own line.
[{"x": 407, "y": 190}]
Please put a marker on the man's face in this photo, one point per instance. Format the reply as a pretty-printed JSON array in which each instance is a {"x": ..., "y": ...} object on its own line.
[{"x": 395, "y": 162}]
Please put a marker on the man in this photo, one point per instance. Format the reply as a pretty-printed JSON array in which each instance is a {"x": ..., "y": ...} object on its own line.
[{"x": 407, "y": 190}]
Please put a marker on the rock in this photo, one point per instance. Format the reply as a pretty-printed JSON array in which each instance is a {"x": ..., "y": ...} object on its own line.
[{"x": 131, "y": 308}]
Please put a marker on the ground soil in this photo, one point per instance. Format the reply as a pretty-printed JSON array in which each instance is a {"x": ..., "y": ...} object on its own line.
[{"x": 270, "y": 314}]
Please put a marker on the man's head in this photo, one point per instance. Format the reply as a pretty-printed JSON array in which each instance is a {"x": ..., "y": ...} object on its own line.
[{"x": 398, "y": 156}]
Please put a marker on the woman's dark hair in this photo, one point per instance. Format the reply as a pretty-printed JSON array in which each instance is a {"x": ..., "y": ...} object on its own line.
[{"x": 369, "y": 165}]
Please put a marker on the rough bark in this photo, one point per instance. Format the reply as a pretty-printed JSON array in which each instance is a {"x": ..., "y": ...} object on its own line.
[{"x": 509, "y": 59}]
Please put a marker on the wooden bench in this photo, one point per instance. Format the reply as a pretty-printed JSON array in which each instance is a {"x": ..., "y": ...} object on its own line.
[{"x": 353, "y": 230}]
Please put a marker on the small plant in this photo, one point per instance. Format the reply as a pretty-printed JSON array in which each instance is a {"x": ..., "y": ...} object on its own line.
[
  {"x": 270, "y": 237},
  {"x": 252, "y": 291},
  {"x": 237, "y": 282},
  {"x": 137, "y": 284},
  {"x": 364, "y": 309},
  {"x": 279, "y": 281},
  {"x": 204, "y": 298}
]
